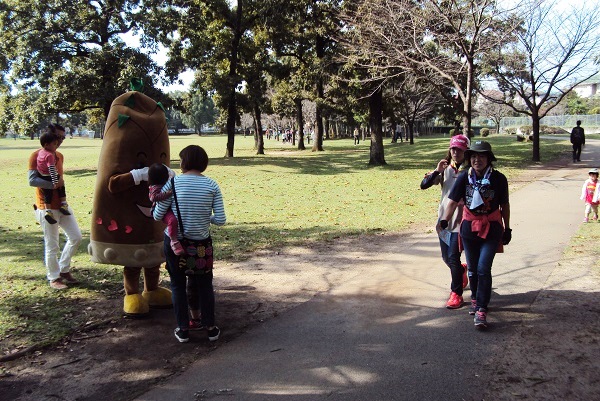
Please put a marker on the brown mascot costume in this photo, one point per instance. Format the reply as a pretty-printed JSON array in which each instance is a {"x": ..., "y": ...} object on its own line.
[{"x": 123, "y": 230}]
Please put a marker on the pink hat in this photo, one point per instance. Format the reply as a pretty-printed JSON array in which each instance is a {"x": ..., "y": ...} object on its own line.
[{"x": 460, "y": 142}]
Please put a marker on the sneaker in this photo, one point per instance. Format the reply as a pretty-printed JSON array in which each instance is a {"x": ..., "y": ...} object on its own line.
[
  {"x": 58, "y": 284},
  {"x": 480, "y": 318},
  {"x": 183, "y": 336},
  {"x": 473, "y": 307},
  {"x": 50, "y": 217},
  {"x": 455, "y": 301},
  {"x": 64, "y": 209},
  {"x": 68, "y": 277},
  {"x": 584, "y": 220},
  {"x": 214, "y": 333},
  {"x": 465, "y": 276},
  {"x": 196, "y": 325}
]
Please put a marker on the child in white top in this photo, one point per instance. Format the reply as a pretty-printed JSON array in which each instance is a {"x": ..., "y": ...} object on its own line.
[{"x": 590, "y": 192}]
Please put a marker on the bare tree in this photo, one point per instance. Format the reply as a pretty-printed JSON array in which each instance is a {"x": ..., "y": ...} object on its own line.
[
  {"x": 494, "y": 110},
  {"x": 414, "y": 100},
  {"x": 556, "y": 50},
  {"x": 440, "y": 41}
]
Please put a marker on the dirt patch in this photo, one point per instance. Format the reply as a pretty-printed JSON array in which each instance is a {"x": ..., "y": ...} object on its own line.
[
  {"x": 553, "y": 354},
  {"x": 122, "y": 358}
]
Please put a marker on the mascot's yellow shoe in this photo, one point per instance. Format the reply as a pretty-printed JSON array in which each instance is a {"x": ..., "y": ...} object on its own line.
[
  {"x": 158, "y": 298},
  {"x": 135, "y": 305}
]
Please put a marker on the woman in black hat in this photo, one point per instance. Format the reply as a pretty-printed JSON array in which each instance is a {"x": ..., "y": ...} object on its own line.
[{"x": 486, "y": 222}]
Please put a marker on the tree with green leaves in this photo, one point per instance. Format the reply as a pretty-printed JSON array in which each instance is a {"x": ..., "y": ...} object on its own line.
[
  {"x": 303, "y": 41},
  {"x": 212, "y": 38},
  {"x": 72, "y": 52},
  {"x": 575, "y": 104},
  {"x": 199, "y": 110}
]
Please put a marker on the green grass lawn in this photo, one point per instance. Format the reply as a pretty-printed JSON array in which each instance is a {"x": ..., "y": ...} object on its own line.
[{"x": 281, "y": 198}]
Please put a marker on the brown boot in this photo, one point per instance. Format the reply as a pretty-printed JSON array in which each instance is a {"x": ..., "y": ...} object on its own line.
[
  {"x": 68, "y": 277},
  {"x": 58, "y": 284}
]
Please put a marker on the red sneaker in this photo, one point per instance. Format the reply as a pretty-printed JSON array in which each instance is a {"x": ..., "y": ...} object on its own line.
[
  {"x": 465, "y": 277},
  {"x": 455, "y": 301}
]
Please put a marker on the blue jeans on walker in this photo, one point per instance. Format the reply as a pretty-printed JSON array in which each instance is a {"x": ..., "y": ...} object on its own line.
[
  {"x": 451, "y": 256},
  {"x": 480, "y": 254},
  {"x": 200, "y": 286}
]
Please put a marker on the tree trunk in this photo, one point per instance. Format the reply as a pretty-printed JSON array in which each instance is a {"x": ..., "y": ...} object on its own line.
[
  {"x": 300, "y": 123},
  {"x": 376, "y": 157},
  {"x": 318, "y": 142},
  {"x": 260, "y": 142},
  {"x": 535, "y": 117},
  {"x": 468, "y": 105},
  {"x": 232, "y": 101}
]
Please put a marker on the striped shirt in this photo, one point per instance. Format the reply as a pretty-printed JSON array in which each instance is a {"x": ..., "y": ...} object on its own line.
[{"x": 200, "y": 202}]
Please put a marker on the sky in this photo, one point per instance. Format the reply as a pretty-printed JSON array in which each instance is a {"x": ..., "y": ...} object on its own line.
[{"x": 160, "y": 58}]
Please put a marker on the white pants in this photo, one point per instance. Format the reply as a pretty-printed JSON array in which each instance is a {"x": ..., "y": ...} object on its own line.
[
  {"x": 69, "y": 226},
  {"x": 591, "y": 208}
]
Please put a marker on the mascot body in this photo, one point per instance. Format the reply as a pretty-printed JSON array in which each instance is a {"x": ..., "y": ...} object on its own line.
[{"x": 123, "y": 231}]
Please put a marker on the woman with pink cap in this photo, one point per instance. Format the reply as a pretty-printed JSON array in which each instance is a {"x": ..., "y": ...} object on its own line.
[
  {"x": 485, "y": 227},
  {"x": 445, "y": 175}
]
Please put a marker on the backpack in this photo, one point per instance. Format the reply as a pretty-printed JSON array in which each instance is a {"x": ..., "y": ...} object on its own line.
[{"x": 577, "y": 134}]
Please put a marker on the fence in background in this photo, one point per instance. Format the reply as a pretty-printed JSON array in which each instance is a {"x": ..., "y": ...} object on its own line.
[{"x": 565, "y": 122}]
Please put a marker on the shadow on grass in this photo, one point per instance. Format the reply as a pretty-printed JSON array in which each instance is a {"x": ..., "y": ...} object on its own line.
[
  {"x": 339, "y": 160},
  {"x": 21, "y": 245},
  {"x": 240, "y": 241},
  {"x": 343, "y": 158},
  {"x": 28, "y": 246}
]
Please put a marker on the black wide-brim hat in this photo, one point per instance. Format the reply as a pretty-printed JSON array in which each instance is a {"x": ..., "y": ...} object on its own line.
[{"x": 480, "y": 147}]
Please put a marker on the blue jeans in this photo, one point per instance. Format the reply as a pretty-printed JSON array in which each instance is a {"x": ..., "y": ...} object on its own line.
[
  {"x": 198, "y": 287},
  {"x": 480, "y": 254},
  {"x": 451, "y": 256}
]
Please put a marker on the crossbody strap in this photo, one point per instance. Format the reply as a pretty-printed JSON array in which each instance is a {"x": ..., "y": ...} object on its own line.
[{"x": 179, "y": 220}]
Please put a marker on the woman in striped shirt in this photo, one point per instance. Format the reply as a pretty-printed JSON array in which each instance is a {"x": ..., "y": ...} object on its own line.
[{"x": 197, "y": 203}]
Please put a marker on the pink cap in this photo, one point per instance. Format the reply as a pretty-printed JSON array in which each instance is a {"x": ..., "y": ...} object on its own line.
[{"x": 460, "y": 142}]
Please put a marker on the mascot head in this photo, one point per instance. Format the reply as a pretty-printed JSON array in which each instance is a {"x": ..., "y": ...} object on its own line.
[{"x": 123, "y": 231}]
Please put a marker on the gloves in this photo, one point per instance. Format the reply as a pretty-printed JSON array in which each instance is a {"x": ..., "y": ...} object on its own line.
[
  {"x": 506, "y": 236},
  {"x": 444, "y": 224},
  {"x": 139, "y": 175}
]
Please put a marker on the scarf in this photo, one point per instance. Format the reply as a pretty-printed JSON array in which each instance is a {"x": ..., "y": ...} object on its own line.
[{"x": 479, "y": 187}]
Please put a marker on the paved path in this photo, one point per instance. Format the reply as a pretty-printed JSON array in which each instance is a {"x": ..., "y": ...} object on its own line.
[{"x": 386, "y": 336}]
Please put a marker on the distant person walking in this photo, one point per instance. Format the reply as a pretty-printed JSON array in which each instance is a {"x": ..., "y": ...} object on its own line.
[
  {"x": 356, "y": 136},
  {"x": 445, "y": 174},
  {"x": 485, "y": 227},
  {"x": 590, "y": 194},
  {"x": 578, "y": 140}
]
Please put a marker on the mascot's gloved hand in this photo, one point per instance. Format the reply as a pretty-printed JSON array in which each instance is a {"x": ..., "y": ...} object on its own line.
[{"x": 139, "y": 175}]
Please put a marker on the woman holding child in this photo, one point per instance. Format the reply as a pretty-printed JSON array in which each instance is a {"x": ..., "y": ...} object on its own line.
[{"x": 197, "y": 203}]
